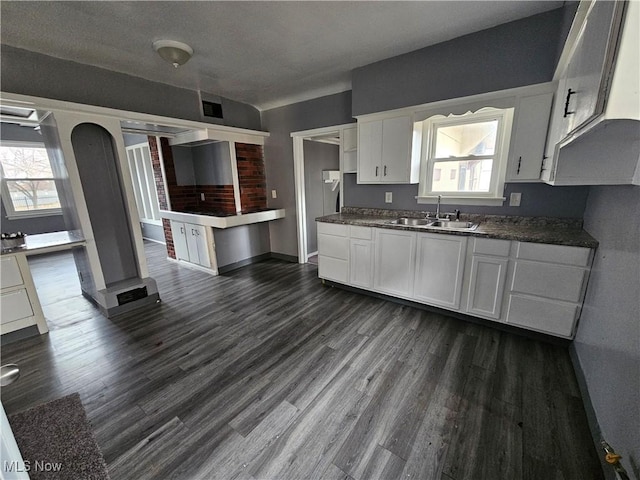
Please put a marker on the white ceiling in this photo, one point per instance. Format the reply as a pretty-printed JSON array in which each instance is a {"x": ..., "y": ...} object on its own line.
[{"x": 266, "y": 54}]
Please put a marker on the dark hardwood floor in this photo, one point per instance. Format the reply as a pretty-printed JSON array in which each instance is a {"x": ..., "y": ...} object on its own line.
[{"x": 264, "y": 373}]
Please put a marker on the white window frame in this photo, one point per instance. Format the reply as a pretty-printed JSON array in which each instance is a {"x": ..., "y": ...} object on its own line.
[
  {"x": 500, "y": 157},
  {"x": 11, "y": 212},
  {"x": 144, "y": 186}
]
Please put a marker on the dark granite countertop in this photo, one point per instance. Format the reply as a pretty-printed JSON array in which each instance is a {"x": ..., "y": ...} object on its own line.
[{"x": 555, "y": 231}]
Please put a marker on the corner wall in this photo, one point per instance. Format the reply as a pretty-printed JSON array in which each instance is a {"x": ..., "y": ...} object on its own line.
[
  {"x": 278, "y": 151},
  {"x": 606, "y": 350}
]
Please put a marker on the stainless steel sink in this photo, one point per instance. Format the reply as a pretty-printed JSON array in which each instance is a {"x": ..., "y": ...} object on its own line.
[
  {"x": 410, "y": 221},
  {"x": 453, "y": 225}
]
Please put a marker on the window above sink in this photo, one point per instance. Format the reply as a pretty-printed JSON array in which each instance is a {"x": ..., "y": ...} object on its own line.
[{"x": 464, "y": 157}]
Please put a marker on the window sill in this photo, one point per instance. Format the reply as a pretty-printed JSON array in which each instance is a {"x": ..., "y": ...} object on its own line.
[
  {"x": 449, "y": 200},
  {"x": 25, "y": 216}
]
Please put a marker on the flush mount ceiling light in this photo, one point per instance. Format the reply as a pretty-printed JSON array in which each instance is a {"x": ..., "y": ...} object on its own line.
[{"x": 176, "y": 53}]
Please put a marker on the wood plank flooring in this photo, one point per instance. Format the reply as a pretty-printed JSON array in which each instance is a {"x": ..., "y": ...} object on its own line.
[{"x": 264, "y": 373}]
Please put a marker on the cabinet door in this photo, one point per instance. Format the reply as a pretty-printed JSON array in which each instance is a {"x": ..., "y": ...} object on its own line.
[
  {"x": 178, "y": 232},
  {"x": 369, "y": 151},
  {"x": 394, "y": 262},
  {"x": 202, "y": 245},
  {"x": 361, "y": 263},
  {"x": 15, "y": 305},
  {"x": 10, "y": 272},
  {"x": 530, "y": 136},
  {"x": 192, "y": 243},
  {"x": 590, "y": 65},
  {"x": 396, "y": 149},
  {"x": 486, "y": 286},
  {"x": 543, "y": 315},
  {"x": 439, "y": 269}
]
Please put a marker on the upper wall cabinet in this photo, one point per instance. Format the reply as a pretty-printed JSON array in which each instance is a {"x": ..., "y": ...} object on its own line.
[
  {"x": 528, "y": 137},
  {"x": 388, "y": 150},
  {"x": 597, "y": 102},
  {"x": 349, "y": 149}
]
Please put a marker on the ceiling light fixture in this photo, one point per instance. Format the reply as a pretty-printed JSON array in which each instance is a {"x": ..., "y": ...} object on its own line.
[{"x": 176, "y": 53}]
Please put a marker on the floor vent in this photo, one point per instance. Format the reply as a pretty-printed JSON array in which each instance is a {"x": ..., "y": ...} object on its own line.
[{"x": 132, "y": 295}]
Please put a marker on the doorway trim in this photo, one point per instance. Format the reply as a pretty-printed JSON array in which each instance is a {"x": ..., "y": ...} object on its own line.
[{"x": 317, "y": 135}]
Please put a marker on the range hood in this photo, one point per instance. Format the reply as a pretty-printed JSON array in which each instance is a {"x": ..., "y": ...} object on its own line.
[{"x": 194, "y": 138}]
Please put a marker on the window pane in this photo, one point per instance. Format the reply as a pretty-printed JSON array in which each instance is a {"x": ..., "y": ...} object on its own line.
[
  {"x": 30, "y": 195},
  {"x": 462, "y": 176},
  {"x": 25, "y": 162},
  {"x": 468, "y": 139}
]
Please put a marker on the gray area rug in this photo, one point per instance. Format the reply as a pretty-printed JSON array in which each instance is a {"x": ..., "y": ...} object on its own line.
[{"x": 57, "y": 440}]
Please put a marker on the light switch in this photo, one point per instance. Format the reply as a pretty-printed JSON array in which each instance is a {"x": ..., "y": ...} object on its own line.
[
  {"x": 514, "y": 200},
  {"x": 388, "y": 197},
  {"x": 274, "y": 194},
  {"x": 202, "y": 197}
]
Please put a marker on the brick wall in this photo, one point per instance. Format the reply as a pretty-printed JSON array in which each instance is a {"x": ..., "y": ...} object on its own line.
[
  {"x": 251, "y": 176},
  {"x": 160, "y": 188}
]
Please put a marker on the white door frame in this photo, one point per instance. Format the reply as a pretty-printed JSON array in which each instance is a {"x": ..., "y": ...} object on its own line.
[{"x": 317, "y": 135}]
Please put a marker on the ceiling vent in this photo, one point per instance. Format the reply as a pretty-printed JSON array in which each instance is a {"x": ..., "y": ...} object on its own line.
[{"x": 211, "y": 109}]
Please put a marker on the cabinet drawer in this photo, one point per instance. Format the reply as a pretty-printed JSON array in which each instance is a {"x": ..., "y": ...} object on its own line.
[
  {"x": 490, "y": 246},
  {"x": 10, "y": 275},
  {"x": 332, "y": 246},
  {"x": 558, "y": 282},
  {"x": 543, "y": 315},
  {"x": 562, "y": 254},
  {"x": 333, "y": 269},
  {"x": 15, "y": 305},
  {"x": 363, "y": 233},
  {"x": 333, "y": 229}
]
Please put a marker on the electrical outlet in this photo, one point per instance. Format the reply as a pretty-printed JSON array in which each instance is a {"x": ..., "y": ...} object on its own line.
[
  {"x": 202, "y": 197},
  {"x": 274, "y": 194},
  {"x": 388, "y": 197},
  {"x": 514, "y": 199}
]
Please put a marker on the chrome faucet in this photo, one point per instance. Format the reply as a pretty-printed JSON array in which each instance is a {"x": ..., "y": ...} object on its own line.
[{"x": 438, "y": 207}]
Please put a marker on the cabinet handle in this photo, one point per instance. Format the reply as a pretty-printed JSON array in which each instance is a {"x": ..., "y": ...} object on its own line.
[
  {"x": 385, "y": 170},
  {"x": 519, "y": 164},
  {"x": 181, "y": 229},
  {"x": 566, "y": 103},
  {"x": 376, "y": 171}
]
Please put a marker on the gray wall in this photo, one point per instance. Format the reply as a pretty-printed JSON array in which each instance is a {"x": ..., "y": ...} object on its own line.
[
  {"x": 130, "y": 139},
  {"x": 317, "y": 157},
  {"x": 537, "y": 199},
  {"x": 32, "y": 225},
  {"x": 31, "y": 73},
  {"x": 208, "y": 164},
  {"x": 212, "y": 164},
  {"x": 514, "y": 54},
  {"x": 236, "y": 244},
  {"x": 280, "y": 122},
  {"x": 607, "y": 344}
]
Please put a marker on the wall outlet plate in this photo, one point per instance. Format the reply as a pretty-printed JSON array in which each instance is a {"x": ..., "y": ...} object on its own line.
[
  {"x": 388, "y": 197},
  {"x": 515, "y": 199},
  {"x": 274, "y": 194},
  {"x": 202, "y": 197}
]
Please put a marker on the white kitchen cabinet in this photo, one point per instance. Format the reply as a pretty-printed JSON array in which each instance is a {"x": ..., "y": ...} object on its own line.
[
  {"x": 361, "y": 256},
  {"x": 439, "y": 269},
  {"x": 388, "y": 150},
  {"x": 333, "y": 252},
  {"x": 19, "y": 303},
  {"x": 547, "y": 287},
  {"x": 179, "y": 235},
  {"x": 394, "y": 262},
  {"x": 529, "y": 137},
  {"x": 489, "y": 265},
  {"x": 594, "y": 132},
  {"x": 191, "y": 243}
]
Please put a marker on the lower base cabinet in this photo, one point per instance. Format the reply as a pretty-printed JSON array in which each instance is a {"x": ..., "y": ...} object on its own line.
[
  {"x": 530, "y": 285},
  {"x": 394, "y": 262},
  {"x": 191, "y": 243},
  {"x": 439, "y": 269}
]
